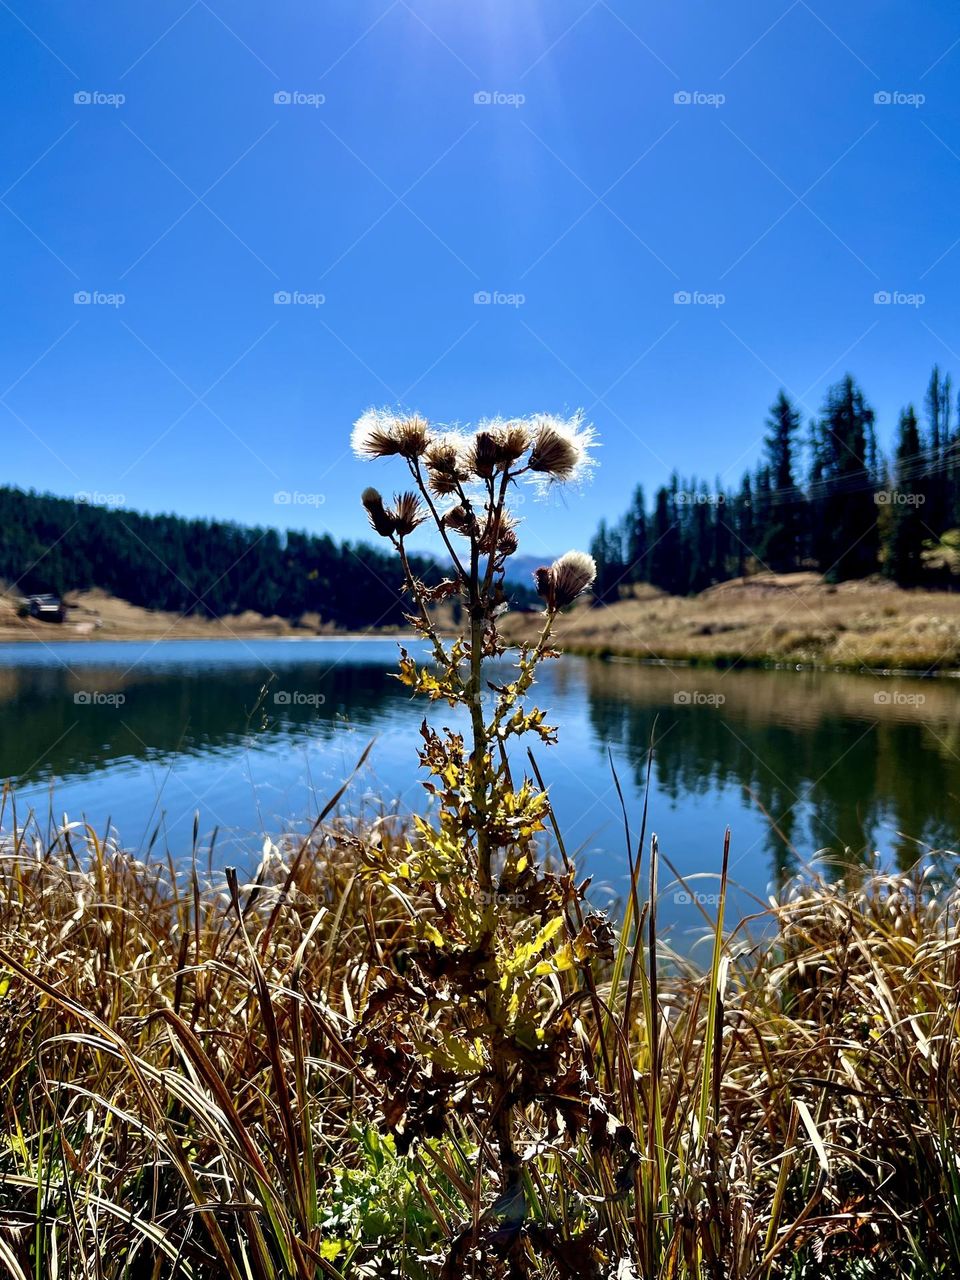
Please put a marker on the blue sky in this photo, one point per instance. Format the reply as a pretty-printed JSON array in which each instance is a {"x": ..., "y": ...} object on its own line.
[{"x": 385, "y": 194}]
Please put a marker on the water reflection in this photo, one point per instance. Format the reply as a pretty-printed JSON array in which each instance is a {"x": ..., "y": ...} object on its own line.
[
  {"x": 254, "y": 734},
  {"x": 830, "y": 763}
]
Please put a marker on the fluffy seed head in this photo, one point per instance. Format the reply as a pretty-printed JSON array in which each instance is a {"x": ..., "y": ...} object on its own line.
[
  {"x": 378, "y": 433},
  {"x": 565, "y": 579},
  {"x": 513, "y": 440},
  {"x": 561, "y": 447}
]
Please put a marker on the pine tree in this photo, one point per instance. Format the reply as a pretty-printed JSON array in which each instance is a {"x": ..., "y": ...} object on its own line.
[
  {"x": 636, "y": 541},
  {"x": 665, "y": 542},
  {"x": 846, "y": 537},
  {"x": 938, "y": 402},
  {"x": 606, "y": 549},
  {"x": 906, "y": 530},
  {"x": 780, "y": 542}
]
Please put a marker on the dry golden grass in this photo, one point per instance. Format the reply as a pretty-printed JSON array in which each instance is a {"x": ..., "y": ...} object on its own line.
[
  {"x": 790, "y": 618},
  {"x": 179, "y": 1099}
]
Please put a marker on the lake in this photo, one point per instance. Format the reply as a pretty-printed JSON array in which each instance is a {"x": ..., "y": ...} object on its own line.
[{"x": 256, "y": 735}]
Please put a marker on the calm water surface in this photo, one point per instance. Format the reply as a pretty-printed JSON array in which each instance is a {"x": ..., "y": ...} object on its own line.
[{"x": 256, "y": 735}]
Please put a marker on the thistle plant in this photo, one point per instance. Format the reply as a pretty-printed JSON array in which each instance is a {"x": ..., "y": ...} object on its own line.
[{"x": 477, "y": 1035}]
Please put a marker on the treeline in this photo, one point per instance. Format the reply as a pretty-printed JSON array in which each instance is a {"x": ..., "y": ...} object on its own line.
[
  {"x": 830, "y": 502},
  {"x": 50, "y": 544}
]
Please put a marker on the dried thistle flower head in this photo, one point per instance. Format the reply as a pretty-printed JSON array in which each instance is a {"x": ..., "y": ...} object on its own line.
[
  {"x": 447, "y": 464},
  {"x": 507, "y": 543},
  {"x": 483, "y": 455},
  {"x": 461, "y": 520},
  {"x": 378, "y": 433},
  {"x": 381, "y": 520},
  {"x": 499, "y": 536},
  {"x": 513, "y": 440},
  {"x": 407, "y": 512},
  {"x": 574, "y": 573},
  {"x": 568, "y": 577},
  {"x": 560, "y": 451}
]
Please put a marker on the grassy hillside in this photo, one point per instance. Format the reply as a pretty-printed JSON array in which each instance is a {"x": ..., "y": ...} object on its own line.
[{"x": 791, "y": 618}]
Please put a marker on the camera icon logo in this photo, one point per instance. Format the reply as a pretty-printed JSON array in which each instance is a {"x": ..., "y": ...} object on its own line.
[
  {"x": 82, "y": 698},
  {"x": 82, "y": 298},
  {"x": 682, "y": 298},
  {"x": 682, "y": 698},
  {"x": 282, "y": 698},
  {"x": 882, "y": 698},
  {"x": 883, "y": 98},
  {"x": 683, "y": 98},
  {"x": 83, "y": 98},
  {"x": 282, "y": 98},
  {"x": 483, "y": 98},
  {"x": 282, "y": 298}
]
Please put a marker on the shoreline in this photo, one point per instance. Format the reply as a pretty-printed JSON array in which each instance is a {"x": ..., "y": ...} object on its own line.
[
  {"x": 781, "y": 621},
  {"x": 748, "y": 662},
  {"x": 717, "y": 662}
]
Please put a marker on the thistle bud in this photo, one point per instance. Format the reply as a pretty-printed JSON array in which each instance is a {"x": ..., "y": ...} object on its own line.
[{"x": 380, "y": 519}]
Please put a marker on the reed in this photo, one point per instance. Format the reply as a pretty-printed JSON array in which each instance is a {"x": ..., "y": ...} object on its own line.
[{"x": 180, "y": 1097}]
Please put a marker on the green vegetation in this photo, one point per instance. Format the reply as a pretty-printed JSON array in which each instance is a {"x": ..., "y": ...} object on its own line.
[{"x": 852, "y": 515}]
